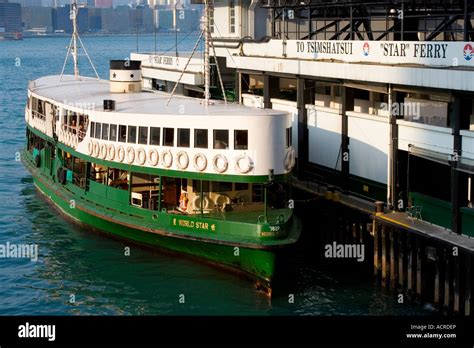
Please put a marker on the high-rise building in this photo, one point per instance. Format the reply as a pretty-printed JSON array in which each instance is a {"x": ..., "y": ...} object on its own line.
[
  {"x": 37, "y": 17},
  {"x": 10, "y": 18},
  {"x": 104, "y": 3}
]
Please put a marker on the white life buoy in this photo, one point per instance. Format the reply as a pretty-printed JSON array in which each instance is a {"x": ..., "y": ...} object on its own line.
[
  {"x": 200, "y": 161},
  {"x": 290, "y": 159},
  {"x": 96, "y": 149},
  {"x": 141, "y": 156},
  {"x": 120, "y": 153},
  {"x": 130, "y": 154},
  {"x": 90, "y": 148},
  {"x": 167, "y": 158},
  {"x": 153, "y": 157},
  {"x": 103, "y": 151},
  {"x": 243, "y": 164},
  {"x": 220, "y": 163},
  {"x": 221, "y": 201},
  {"x": 197, "y": 202},
  {"x": 111, "y": 152},
  {"x": 182, "y": 160}
]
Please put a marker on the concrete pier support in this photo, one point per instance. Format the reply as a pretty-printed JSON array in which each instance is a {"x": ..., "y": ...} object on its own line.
[
  {"x": 377, "y": 261},
  {"x": 384, "y": 255},
  {"x": 456, "y": 284},
  {"x": 437, "y": 280},
  {"x": 419, "y": 263},
  {"x": 410, "y": 252},
  {"x": 393, "y": 268},
  {"x": 401, "y": 261}
]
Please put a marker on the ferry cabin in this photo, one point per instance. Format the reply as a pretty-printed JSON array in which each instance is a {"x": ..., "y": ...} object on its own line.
[{"x": 194, "y": 164}]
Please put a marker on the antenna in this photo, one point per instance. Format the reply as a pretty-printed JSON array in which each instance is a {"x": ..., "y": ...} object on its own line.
[
  {"x": 206, "y": 33},
  {"x": 73, "y": 47}
]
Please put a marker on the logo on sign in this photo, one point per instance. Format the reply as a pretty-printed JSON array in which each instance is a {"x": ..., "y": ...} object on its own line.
[
  {"x": 366, "y": 49},
  {"x": 468, "y": 52}
]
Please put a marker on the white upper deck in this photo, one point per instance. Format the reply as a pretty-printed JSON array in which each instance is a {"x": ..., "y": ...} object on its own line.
[{"x": 89, "y": 93}]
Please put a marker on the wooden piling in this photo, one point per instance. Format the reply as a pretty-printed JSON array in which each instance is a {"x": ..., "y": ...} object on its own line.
[
  {"x": 393, "y": 269},
  {"x": 384, "y": 255},
  {"x": 467, "y": 291},
  {"x": 447, "y": 278},
  {"x": 375, "y": 229},
  {"x": 401, "y": 264},
  {"x": 419, "y": 261},
  {"x": 409, "y": 264},
  {"x": 456, "y": 283},
  {"x": 437, "y": 283}
]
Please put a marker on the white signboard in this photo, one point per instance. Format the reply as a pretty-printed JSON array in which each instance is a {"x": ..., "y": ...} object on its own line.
[{"x": 428, "y": 53}]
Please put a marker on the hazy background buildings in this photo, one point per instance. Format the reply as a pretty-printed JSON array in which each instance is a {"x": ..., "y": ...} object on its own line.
[{"x": 46, "y": 17}]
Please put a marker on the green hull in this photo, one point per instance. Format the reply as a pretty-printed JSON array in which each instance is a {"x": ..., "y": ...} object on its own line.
[{"x": 229, "y": 244}]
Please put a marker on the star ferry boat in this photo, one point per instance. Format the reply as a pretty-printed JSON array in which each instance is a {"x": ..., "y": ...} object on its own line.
[{"x": 210, "y": 180}]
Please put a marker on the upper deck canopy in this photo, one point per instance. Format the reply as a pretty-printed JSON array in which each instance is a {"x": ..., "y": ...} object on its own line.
[{"x": 89, "y": 93}]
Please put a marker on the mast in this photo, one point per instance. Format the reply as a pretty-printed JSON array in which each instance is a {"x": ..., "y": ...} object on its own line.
[
  {"x": 207, "y": 68},
  {"x": 74, "y": 38}
]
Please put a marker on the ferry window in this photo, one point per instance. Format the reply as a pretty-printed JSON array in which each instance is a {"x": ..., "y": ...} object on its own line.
[
  {"x": 221, "y": 139},
  {"x": 132, "y": 134},
  {"x": 221, "y": 186},
  {"x": 113, "y": 132},
  {"x": 98, "y": 130},
  {"x": 143, "y": 135},
  {"x": 197, "y": 186},
  {"x": 92, "y": 129},
  {"x": 241, "y": 186},
  {"x": 183, "y": 137},
  {"x": 122, "y": 133},
  {"x": 168, "y": 136},
  {"x": 289, "y": 140},
  {"x": 241, "y": 139},
  {"x": 105, "y": 131},
  {"x": 155, "y": 136},
  {"x": 200, "y": 138}
]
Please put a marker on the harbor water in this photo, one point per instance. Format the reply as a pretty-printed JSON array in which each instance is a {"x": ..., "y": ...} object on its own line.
[{"x": 80, "y": 272}]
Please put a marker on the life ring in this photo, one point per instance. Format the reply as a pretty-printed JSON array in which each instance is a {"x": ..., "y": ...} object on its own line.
[
  {"x": 90, "y": 148},
  {"x": 141, "y": 156},
  {"x": 179, "y": 163},
  {"x": 224, "y": 163},
  {"x": 200, "y": 161},
  {"x": 103, "y": 151},
  {"x": 206, "y": 202},
  {"x": 167, "y": 158},
  {"x": 111, "y": 152},
  {"x": 120, "y": 153},
  {"x": 96, "y": 149},
  {"x": 130, "y": 154},
  {"x": 153, "y": 157},
  {"x": 246, "y": 167},
  {"x": 290, "y": 159},
  {"x": 221, "y": 201}
]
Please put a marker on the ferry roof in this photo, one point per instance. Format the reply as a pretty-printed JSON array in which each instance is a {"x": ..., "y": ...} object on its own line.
[{"x": 89, "y": 93}]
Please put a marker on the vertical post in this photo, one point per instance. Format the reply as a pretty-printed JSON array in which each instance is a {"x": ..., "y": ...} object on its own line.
[
  {"x": 437, "y": 283},
  {"x": 419, "y": 261},
  {"x": 266, "y": 92},
  {"x": 393, "y": 152},
  {"x": 468, "y": 289},
  {"x": 130, "y": 187},
  {"x": 345, "y": 158},
  {"x": 74, "y": 38},
  {"x": 466, "y": 22},
  {"x": 201, "y": 199},
  {"x": 160, "y": 190},
  {"x": 265, "y": 202},
  {"x": 384, "y": 256},
  {"x": 455, "y": 110},
  {"x": 238, "y": 86},
  {"x": 447, "y": 277},
  {"x": 409, "y": 264},
  {"x": 393, "y": 269},
  {"x": 375, "y": 231},
  {"x": 401, "y": 273},
  {"x": 456, "y": 283},
  {"x": 207, "y": 66},
  {"x": 302, "y": 126}
]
